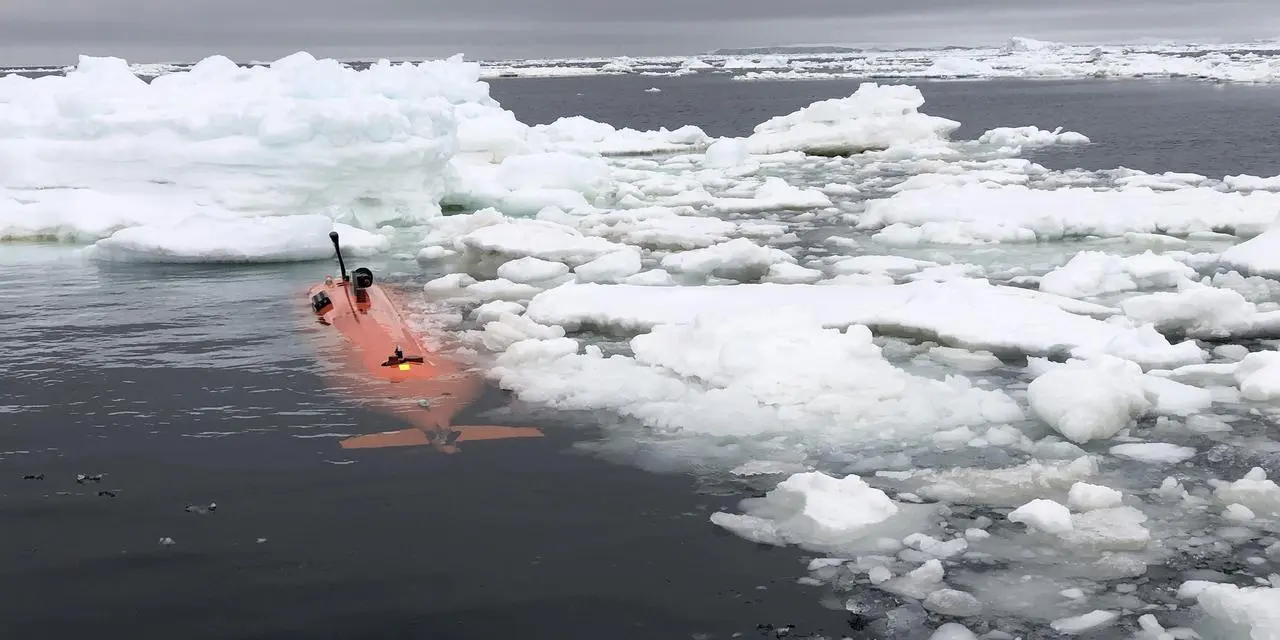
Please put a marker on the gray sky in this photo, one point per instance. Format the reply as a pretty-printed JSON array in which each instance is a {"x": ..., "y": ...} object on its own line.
[{"x": 55, "y": 31}]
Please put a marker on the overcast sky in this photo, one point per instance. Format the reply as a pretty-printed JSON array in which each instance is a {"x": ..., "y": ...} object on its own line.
[{"x": 56, "y": 31}]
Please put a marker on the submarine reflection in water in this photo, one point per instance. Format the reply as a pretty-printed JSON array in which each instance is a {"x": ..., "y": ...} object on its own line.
[{"x": 381, "y": 362}]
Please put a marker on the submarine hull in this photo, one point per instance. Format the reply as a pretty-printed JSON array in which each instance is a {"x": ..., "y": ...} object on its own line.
[{"x": 378, "y": 360}]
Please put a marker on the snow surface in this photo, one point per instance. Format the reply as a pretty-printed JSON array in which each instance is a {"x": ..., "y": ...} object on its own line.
[{"x": 987, "y": 390}]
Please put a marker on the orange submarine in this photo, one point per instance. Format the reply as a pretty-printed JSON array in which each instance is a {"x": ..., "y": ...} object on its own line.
[{"x": 383, "y": 364}]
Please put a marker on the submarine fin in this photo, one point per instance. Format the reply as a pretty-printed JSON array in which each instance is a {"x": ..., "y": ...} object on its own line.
[
  {"x": 401, "y": 438},
  {"x": 418, "y": 437},
  {"x": 471, "y": 433}
]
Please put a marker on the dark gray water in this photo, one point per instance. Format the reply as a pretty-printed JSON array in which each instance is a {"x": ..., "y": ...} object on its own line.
[{"x": 190, "y": 385}]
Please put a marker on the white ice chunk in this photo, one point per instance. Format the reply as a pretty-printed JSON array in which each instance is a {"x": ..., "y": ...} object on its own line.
[
  {"x": 1006, "y": 487},
  {"x": 1175, "y": 398},
  {"x": 1093, "y": 273},
  {"x": 650, "y": 278},
  {"x": 531, "y": 270},
  {"x": 1203, "y": 312},
  {"x": 296, "y": 135},
  {"x": 767, "y": 370},
  {"x": 1259, "y": 255},
  {"x": 1043, "y": 515},
  {"x": 788, "y": 273},
  {"x": 774, "y": 194},
  {"x": 1086, "y": 497},
  {"x": 490, "y": 311},
  {"x": 953, "y": 631},
  {"x": 611, "y": 267},
  {"x": 1095, "y": 619},
  {"x": 1017, "y": 213},
  {"x": 209, "y": 239},
  {"x": 964, "y": 359},
  {"x": 1254, "y": 490},
  {"x": 1154, "y": 452},
  {"x": 538, "y": 239},
  {"x": 726, "y": 153},
  {"x": 950, "y": 602},
  {"x": 449, "y": 283},
  {"x": 1238, "y": 512},
  {"x": 935, "y": 547},
  {"x": 965, "y": 313},
  {"x": 1113, "y": 528},
  {"x": 892, "y": 265},
  {"x": 811, "y": 508},
  {"x": 1030, "y": 136},
  {"x": 1242, "y": 612},
  {"x": 873, "y": 117},
  {"x": 740, "y": 259},
  {"x": 1258, "y": 375},
  {"x": 509, "y": 329},
  {"x": 1089, "y": 400}
]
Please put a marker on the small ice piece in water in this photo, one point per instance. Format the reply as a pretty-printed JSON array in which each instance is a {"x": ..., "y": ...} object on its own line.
[
  {"x": 879, "y": 575},
  {"x": 1243, "y": 612},
  {"x": 1233, "y": 352},
  {"x": 810, "y": 507},
  {"x": 1115, "y": 528},
  {"x": 1254, "y": 490},
  {"x": 451, "y": 282},
  {"x": 965, "y": 360},
  {"x": 1089, "y": 400},
  {"x": 490, "y": 311},
  {"x": 1238, "y": 512},
  {"x": 528, "y": 270},
  {"x": 1044, "y": 515},
  {"x": 1154, "y": 452},
  {"x": 1086, "y": 622},
  {"x": 1085, "y": 497},
  {"x": 651, "y": 278},
  {"x": 435, "y": 252},
  {"x": 766, "y": 467},
  {"x": 950, "y": 602},
  {"x": 953, "y": 631},
  {"x": 610, "y": 268},
  {"x": 787, "y": 273},
  {"x": 934, "y": 546},
  {"x": 1192, "y": 589},
  {"x": 920, "y": 582}
]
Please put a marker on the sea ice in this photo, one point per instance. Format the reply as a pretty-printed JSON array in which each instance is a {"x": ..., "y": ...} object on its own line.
[
  {"x": 1043, "y": 515},
  {"x": 873, "y": 117},
  {"x": 1154, "y": 452},
  {"x": 209, "y": 239},
  {"x": 964, "y": 313},
  {"x": 1093, "y": 273},
  {"x": 811, "y": 508},
  {"x": 1241, "y": 612},
  {"x": 1015, "y": 213},
  {"x": 1089, "y": 400},
  {"x": 1086, "y": 497}
]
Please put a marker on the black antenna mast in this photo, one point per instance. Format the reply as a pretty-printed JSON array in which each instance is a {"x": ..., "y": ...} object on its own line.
[{"x": 333, "y": 235}]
